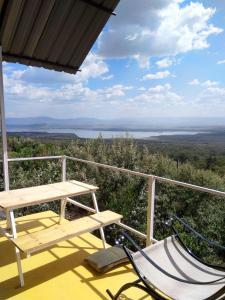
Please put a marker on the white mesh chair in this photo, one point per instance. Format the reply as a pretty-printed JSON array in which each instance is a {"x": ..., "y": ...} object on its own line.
[{"x": 169, "y": 269}]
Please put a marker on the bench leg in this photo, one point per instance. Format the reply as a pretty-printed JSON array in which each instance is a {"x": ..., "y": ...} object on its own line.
[
  {"x": 19, "y": 266},
  {"x": 103, "y": 237},
  {"x": 62, "y": 212},
  {"x": 17, "y": 251},
  {"x": 97, "y": 210}
]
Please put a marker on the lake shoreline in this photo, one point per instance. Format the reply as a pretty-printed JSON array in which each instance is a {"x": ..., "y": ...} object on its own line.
[
  {"x": 106, "y": 134},
  {"x": 212, "y": 136}
]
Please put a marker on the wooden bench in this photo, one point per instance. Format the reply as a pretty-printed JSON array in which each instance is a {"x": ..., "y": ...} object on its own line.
[{"x": 36, "y": 241}]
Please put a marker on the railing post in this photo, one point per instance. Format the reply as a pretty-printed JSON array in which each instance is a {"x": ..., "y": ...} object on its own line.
[
  {"x": 63, "y": 201},
  {"x": 3, "y": 128},
  {"x": 150, "y": 210},
  {"x": 4, "y": 137},
  {"x": 63, "y": 160}
]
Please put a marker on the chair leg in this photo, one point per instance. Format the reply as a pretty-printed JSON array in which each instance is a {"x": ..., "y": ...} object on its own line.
[
  {"x": 110, "y": 294},
  {"x": 122, "y": 289},
  {"x": 125, "y": 287}
]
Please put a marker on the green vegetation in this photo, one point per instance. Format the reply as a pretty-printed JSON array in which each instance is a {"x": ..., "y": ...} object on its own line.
[{"x": 127, "y": 194}]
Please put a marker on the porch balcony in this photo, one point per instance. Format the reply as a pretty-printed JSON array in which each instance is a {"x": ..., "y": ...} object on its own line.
[{"x": 59, "y": 272}]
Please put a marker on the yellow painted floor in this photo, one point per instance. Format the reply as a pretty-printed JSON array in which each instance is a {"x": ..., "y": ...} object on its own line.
[{"x": 59, "y": 272}]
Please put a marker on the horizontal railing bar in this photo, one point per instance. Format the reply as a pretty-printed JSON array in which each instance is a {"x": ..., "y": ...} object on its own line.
[
  {"x": 34, "y": 158},
  {"x": 140, "y": 234},
  {"x": 110, "y": 167},
  {"x": 123, "y": 170},
  {"x": 158, "y": 178},
  {"x": 191, "y": 186},
  {"x": 81, "y": 205}
]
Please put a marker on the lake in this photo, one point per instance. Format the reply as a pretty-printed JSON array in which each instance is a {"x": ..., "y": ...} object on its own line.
[{"x": 86, "y": 133}]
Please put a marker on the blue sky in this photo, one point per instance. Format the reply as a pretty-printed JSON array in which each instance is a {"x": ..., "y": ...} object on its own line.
[{"x": 158, "y": 58}]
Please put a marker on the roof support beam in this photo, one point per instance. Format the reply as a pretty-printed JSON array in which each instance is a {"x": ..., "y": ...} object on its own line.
[
  {"x": 3, "y": 128},
  {"x": 99, "y": 6},
  {"x": 43, "y": 63}
]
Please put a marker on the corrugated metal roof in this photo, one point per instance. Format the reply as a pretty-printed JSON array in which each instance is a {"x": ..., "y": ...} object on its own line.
[{"x": 54, "y": 34}]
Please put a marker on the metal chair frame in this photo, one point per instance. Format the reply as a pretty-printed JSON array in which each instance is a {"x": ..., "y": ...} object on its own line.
[{"x": 144, "y": 284}]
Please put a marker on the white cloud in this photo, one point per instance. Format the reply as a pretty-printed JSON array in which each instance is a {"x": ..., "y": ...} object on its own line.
[
  {"x": 143, "y": 61},
  {"x": 157, "y": 28},
  {"x": 76, "y": 98},
  {"x": 211, "y": 99},
  {"x": 164, "y": 63},
  {"x": 33, "y": 91},
  {"x": 34, "y": 85},
  {"x": 160, "y": 94},
  {"x": 108, "y": 77},
  {"x": 115, "y": 91},
  {"x": 210, "y": 83},
  {"x": 194, "y": 82},
  {"x": 158, "y": 75},
  {"x": 207, "y": 83},
  {"x": 220, "y": 62},
  {"x": 213, "y": 96},
  {"x": 93, "y": 67},
  {"x": 142, "y": 89}
]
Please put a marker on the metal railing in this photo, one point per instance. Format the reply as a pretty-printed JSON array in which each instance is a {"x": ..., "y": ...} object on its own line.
[{"x": 151, "y": 182}]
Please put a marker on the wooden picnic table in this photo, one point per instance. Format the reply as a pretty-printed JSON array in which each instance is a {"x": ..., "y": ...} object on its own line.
[{"x": 14, "y": 199}]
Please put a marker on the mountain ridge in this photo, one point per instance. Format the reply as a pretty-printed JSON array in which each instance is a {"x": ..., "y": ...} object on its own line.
[{"x": 44, "y": 122}]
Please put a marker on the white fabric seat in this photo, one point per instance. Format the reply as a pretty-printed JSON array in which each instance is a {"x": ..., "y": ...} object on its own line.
[{"x": 170, "y": 255}]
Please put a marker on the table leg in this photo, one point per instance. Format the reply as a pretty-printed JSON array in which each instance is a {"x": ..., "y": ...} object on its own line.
[
  {"x": 97, "y": 210},
  {"x": 17, "y": 251},
  {"x": 8, "y": 223}
]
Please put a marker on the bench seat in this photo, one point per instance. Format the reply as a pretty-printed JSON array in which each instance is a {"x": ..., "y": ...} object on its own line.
[{"x": 42, "y": 239}]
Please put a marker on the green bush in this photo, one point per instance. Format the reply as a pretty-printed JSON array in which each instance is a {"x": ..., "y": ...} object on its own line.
[{"x": 124, "y": 193}]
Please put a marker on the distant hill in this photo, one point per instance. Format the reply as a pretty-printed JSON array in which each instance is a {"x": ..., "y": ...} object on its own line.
[
  {"x": 46, "y": 122},
  {"x": 115, "y": 124}
]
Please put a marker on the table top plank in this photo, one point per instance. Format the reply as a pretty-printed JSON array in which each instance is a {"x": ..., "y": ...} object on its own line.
[{"x": 44, "y": 193}]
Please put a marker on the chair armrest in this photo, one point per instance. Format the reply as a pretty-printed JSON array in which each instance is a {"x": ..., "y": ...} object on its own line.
[
  {"x": 188, "y": 228},
  {"x": 194, "y": 232}
]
